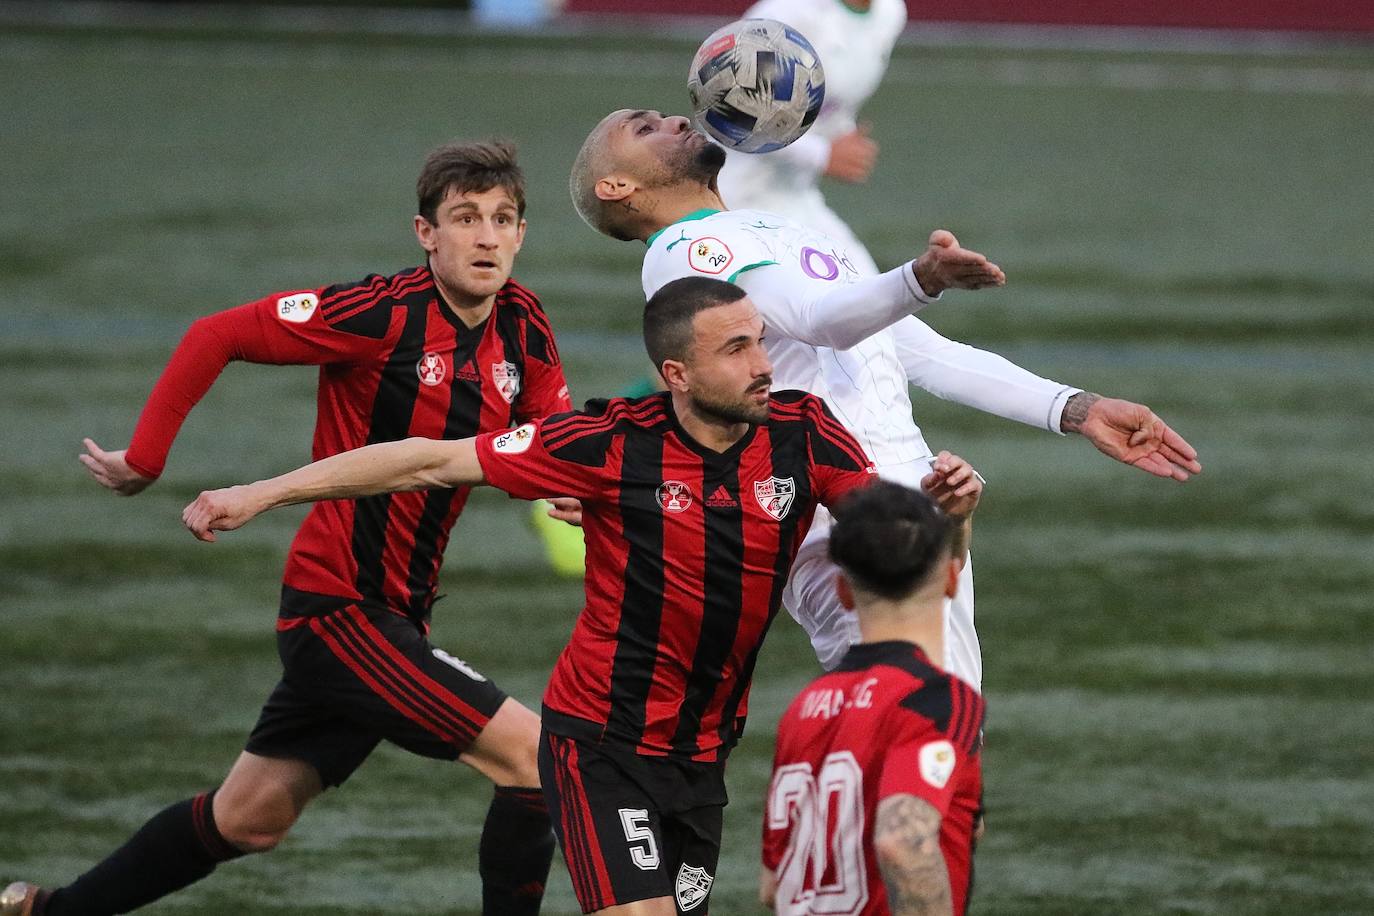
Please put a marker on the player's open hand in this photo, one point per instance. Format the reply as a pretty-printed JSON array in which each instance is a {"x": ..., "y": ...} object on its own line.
[
  {"x": 954, "y": 485},
  {"x": 948, "y": 265},
  {"x": 111, "y": 471},
  {"x": 219, "y": 510},
  {"x": 566, "y": 509},
  {"x": 1132, "y": 434}
]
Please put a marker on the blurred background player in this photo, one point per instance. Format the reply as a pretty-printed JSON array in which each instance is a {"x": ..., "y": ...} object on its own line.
[
  {"x": 845, "y": 335},
  {"x": 695, "y": 500},
  {"x": 877, "y": 775},
  {"x": 447, "y": 349},
  {"x": 854, "y": 39}
]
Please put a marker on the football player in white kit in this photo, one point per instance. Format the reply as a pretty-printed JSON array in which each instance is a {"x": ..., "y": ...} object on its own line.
[
  {"x": 842, "y": 334},
  {"x": 854, "y": 39}
]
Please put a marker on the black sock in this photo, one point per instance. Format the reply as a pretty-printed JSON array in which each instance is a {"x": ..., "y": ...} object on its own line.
[
  {"x": 179, "y": 846},
  {"x": 516, "y": 850}
]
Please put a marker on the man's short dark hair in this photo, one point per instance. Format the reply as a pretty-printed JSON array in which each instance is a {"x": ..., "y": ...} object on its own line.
[
  {"x": 669, "y": 312},
  {"x": 469, "y": 168},
  {"x": 887, "y": 538}
]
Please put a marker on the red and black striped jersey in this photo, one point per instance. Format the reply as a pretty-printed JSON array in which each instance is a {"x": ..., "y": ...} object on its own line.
[
  {"x": 688, "y": 550},
  {"x": 885, "y": 722},
  {"x": 394, "y": 362}
]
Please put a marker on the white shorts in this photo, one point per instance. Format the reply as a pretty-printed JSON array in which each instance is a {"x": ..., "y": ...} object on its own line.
[{"x": 811, "y": 599}]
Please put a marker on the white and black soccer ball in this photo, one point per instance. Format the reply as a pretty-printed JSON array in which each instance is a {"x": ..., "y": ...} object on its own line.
[{"x": 756, "y": 85}]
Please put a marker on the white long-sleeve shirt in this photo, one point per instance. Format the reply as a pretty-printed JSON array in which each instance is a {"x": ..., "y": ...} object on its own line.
[{"x": 846, "y": 337}]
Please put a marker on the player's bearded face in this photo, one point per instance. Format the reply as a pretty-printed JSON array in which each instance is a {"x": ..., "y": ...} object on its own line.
[
  {"x": 670, "y": 151},
  {"x": 730, "y": 373}
]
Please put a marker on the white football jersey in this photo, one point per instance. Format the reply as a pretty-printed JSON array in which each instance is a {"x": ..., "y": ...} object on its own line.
[
  {"x": 854, "y": 49},
  {"x": 865, "y": 385}
]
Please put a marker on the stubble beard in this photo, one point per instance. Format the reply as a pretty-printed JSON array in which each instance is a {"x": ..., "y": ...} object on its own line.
[{"x": 740, "y": 411}]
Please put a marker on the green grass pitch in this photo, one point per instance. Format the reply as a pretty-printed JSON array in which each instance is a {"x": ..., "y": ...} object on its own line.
[{"x": 1180, "y": 678}]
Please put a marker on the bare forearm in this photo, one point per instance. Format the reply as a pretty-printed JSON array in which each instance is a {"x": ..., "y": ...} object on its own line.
[
  {"x": 962, "y": 538},
  {"x": 387, "y": 467},
  {"x": 907, "y": 839}
]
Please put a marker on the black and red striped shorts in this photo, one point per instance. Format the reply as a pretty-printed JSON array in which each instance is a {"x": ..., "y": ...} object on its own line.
[
  {"x": 633, "y": 827},
  {"x": 357, "y": 676}
]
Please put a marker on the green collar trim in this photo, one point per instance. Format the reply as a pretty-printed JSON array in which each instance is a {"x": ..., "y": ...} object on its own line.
[
  {"x": 695, "y": 214},
  {"x": 863, "y": 12}
]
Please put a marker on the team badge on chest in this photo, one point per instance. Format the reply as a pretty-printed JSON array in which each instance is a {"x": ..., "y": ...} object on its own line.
[
  {"x": 674, "y": 496},
  {"x": 775, "y": 495},
  {"x": 431, "y": 369},
  {"x": 506, "y": 375}
]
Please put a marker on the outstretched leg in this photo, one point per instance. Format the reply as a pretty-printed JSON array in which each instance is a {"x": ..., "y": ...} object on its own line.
[{"x": 254, "y": 808}]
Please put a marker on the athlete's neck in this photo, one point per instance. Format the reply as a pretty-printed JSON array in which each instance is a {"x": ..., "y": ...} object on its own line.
[
  {"x": 670, "y": 209},
  {"x": 470, "y": 310},
  {"x": 919, "y": 619},
  {"x": 713, "y": 432}
]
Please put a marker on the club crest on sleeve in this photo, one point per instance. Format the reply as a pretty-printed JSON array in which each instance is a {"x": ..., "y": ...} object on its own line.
[
  {"x": 431, "y": 369},
  {"x": 937, "y": 763},
  {"x": 709, "y": 255},
  {"x": 506, "y": 375},
  {"x": 297, "y": 308},
  {"x": 775, "y": 495},
  {"x": 693, "y": 886},
  {"x": 674, "y": 496},
  {"x": 514, "y": 441}
]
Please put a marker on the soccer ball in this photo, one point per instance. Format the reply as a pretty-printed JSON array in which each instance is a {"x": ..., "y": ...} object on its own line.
[{"x": 756, "y": 85}]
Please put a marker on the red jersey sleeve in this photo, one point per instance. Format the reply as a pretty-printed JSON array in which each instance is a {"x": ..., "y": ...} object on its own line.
[
  {"x": 520, "y": 462},
  {"x": 838, "y": 462},
  {"x": 545, "y": 391},
  {"x": 282, "y": 329},
  {"x": 922, "y": 763}
]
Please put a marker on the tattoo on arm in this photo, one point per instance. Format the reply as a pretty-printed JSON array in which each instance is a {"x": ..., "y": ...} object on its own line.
[
  {"x": 906, "y": 837},
  {"x": 1076, "y": 411}
]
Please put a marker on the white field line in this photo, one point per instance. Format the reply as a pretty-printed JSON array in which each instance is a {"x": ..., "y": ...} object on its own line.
[{"x": 572, "y": 63}]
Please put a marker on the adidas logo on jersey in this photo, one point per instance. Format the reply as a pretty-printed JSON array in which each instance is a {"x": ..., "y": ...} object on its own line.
[{"x": 721, "y": 499}]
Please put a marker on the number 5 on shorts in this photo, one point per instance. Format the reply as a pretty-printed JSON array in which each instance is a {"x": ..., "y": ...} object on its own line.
[{"x": 637, "y": 830}]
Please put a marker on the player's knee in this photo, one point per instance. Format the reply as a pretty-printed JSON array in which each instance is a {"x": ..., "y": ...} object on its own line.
[
  {"x": 254, "y": 830},
  {"x": 525, "y": 765}
]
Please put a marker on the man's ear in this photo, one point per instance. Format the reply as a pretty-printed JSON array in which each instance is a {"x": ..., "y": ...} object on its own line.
[
  {"x": 614, "y": 188},
  {"x": 844, "y": 591},
  {"x": 424, "y": 234},
  {"x": 675, "y": 375}
]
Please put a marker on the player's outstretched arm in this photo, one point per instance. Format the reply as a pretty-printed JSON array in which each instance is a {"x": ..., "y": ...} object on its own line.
[
  {"x": 840, "y": 316},
  {"x": 1132, "y": 434},
  {"x": 112, "y": 470},
  {"x": 387, "y": 467},
  {"x": 906, "y": 839}
]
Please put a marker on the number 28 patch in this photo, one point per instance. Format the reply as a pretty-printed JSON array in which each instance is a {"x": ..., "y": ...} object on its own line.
[{"x": 709, "y": 255}]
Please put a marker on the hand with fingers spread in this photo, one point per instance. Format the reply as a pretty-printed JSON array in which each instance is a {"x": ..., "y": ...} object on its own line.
[
  {"x": 948, "y": 265},
  {"x": 1132, "y": 434},
  {"x": 954, "y": 485},
  {"x": 220, "y": 510},
  {"x": 112, "y": 471}
]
